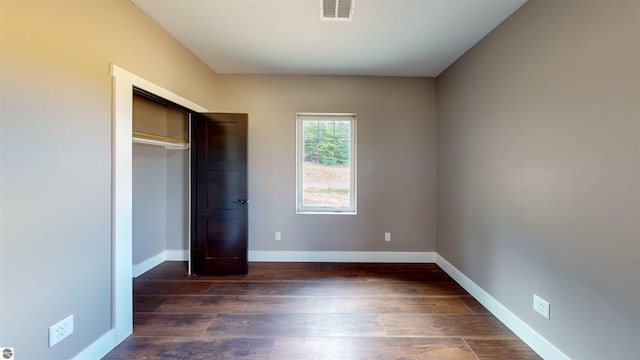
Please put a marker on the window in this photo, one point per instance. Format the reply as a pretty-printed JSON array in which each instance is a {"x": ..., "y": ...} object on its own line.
[{"x": 326, "y": 163}]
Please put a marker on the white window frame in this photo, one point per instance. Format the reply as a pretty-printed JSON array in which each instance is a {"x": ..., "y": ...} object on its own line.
[{"x": 343, "y": 210}]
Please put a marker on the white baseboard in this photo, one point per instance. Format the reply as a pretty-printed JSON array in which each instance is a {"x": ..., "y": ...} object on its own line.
[
  {"x": 177, "y": 255},
  {"x": 148, "y": 264},
  {"x": 342, "y": 256},
  {"x": 167, "y": 255},
  {"x": 98, "y": 348},
  {"x": 538, "y": 343}
]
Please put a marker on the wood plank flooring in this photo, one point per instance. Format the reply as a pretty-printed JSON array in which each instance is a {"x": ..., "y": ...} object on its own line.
[{"x": 297, "y": 311}]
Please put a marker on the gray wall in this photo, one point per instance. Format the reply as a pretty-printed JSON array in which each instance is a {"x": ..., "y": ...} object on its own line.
[
  {"x": 149, "y": 201},
  {"x": 55, "y": 158},
  {"x": 396, "y": 160},
  {"x": 538, "y": 171},
  {"x": 160, "y": 201},
  {"x": 177, "y": 193}
]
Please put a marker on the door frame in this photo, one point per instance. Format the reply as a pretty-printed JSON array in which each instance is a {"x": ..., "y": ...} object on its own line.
[{"x": 122, "y": 192}]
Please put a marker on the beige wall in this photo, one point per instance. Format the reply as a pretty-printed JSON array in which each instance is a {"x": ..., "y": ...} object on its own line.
[
  {"x": 396, "y": 160},
  {"x": 55, "y": 158},
  {"x": 538, "y": 171}
]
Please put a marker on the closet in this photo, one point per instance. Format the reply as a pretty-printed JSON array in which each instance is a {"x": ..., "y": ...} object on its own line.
[{"x": 161, "y": 185}]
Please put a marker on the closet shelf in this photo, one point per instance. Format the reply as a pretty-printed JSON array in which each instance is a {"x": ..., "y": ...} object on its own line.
[{"x": 167, "y": 142}]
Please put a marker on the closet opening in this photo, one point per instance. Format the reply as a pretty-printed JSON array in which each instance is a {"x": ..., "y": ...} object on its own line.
[{"x": 161, "y": 168}]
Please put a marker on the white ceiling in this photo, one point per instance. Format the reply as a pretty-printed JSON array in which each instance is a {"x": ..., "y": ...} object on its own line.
[{"x": 385, "y": 37}]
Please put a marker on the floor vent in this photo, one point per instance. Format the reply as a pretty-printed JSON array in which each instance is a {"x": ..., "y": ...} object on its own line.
[{"x": 336, "y": 10}]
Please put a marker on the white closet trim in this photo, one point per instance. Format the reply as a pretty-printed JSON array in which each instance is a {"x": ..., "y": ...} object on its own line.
[{"x": 122, "y": 198}]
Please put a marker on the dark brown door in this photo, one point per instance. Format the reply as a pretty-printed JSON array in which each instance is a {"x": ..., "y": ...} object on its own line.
[{"x": 219, "y": 194}]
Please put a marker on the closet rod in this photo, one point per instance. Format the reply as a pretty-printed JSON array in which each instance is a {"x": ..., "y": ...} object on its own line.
[
  {"x": 159, "y": 137},
  {"x": 167, "y": 142}
]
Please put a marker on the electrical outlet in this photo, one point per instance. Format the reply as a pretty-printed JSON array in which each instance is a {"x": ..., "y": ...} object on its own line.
[
  {"x": 387, "y": 236},
  {"x": 541, "y": 306},
  {"x": 60, "y": 330},
  {"x": 278, "y": 235}
]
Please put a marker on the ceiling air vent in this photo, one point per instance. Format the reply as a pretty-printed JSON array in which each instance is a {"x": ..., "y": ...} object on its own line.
[{"x": 336, "y": 10}]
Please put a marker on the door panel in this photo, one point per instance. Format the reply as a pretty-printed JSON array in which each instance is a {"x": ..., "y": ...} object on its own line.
[
  {"x": 219, "y": 193},
  {"x": 222, "y": 189},
  {"x": 223, "y": 229}
]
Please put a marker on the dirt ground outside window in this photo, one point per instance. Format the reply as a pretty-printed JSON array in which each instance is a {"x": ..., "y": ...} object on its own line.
[{"x": 325, "y": 185}]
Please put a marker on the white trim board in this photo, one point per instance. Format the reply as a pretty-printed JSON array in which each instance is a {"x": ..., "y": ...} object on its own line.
[
  {"x": 177, "y": 255},
  {"x": 298, "y": 256},
  {"x": 342, "y": 256},
  {"x": 148, "y": 264},
  {"x": 135, "y": 80},
  {"x": 167, "y": 255},
  {"x": 98, "y": 348},
  {"x": 538, "y": 343},
  {"x": 122, "y": 192}
]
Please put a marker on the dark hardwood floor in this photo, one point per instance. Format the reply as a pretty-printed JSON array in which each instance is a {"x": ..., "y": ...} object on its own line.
[{"x": 297, "y": 311}]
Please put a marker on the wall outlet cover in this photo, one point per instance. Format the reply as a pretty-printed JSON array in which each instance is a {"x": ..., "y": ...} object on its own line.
[
  {"x": 60, "y": 330},
  {"x": 541, "y": 306}
]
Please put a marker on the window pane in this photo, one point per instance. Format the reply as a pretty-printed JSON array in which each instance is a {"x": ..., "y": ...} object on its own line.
[{"x": 326, "y": 182}]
